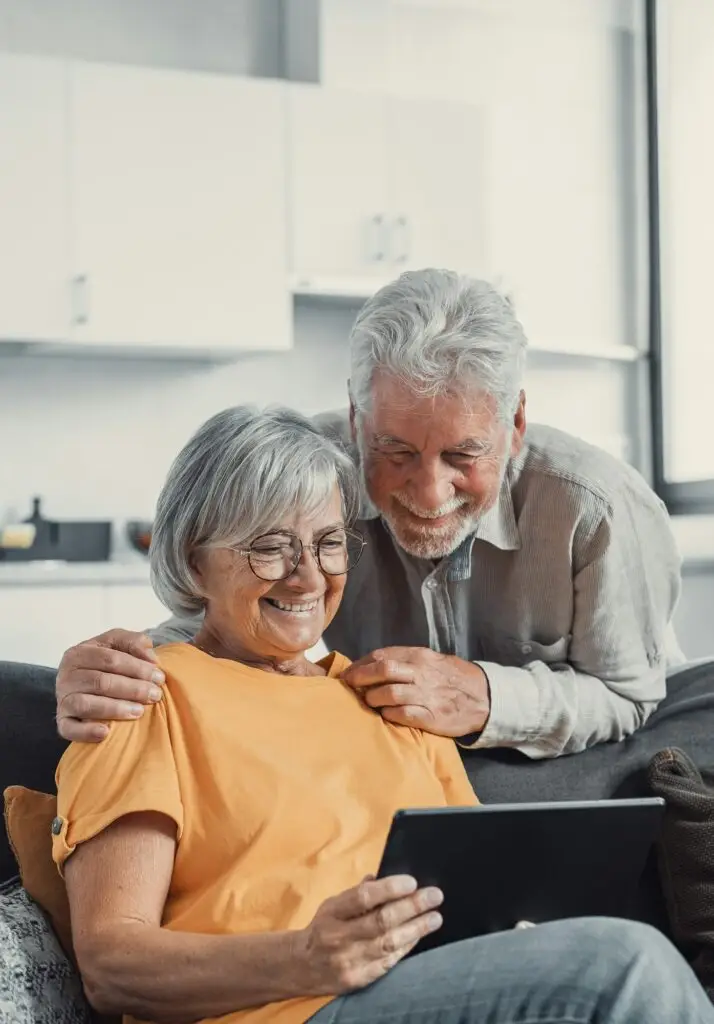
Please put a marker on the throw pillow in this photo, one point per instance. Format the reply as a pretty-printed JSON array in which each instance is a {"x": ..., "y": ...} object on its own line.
[
  {"x": 686, "y": 855},
  {"x": 28, "y": 817},
  {"x": 38, "y": 984}
]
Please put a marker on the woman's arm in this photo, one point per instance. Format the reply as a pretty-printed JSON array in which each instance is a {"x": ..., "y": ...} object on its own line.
[{"x": 117, "y": 885}]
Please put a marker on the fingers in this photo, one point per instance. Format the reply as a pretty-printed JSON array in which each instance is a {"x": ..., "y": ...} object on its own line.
[
  {"x": 380, "y": 670},
  {"x": 88, "y": 707},
  {"x": 401, "y": 922},
  {"x": 390, "y": 695},
  {"x": 81, "y": 732},
  {"x": 137, "y": 644},
  {"x": 362, "y": 899},
  {"x": 413, "y": 716}
]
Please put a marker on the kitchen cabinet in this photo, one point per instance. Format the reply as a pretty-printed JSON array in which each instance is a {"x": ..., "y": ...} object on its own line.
[
  {"x": 437, "y": 162},
  {"x": 38, "y": 624},
  {"x": 339, "y": 186},
  {"x": 134, "y": 606},
  {"x": 34, "y": 208},
  {"x": 373, "y": 192},
  {"x": 179, "y": 210}
]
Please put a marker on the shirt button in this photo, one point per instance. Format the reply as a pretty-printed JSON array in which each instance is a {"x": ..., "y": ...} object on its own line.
[
  {"x": 527, "y": 648},
  {"x": 56, "y": 826},
  {"x": 432, "y": 584}
]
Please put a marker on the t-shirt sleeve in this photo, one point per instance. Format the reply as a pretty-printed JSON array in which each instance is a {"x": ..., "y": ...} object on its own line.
[
  {"x": 449, "y": 767},
  {"x": 132, "y": 770}
]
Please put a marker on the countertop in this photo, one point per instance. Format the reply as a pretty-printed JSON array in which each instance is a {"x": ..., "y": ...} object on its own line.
[
  {"x": 694, "y": 534},
  {"x": 117, "y": 572}
]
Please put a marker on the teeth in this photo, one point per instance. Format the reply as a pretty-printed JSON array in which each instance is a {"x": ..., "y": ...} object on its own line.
[{"x": 285, "y": 606}]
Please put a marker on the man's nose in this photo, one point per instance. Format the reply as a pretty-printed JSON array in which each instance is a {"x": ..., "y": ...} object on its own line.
[{"x": 432, "y": 486}]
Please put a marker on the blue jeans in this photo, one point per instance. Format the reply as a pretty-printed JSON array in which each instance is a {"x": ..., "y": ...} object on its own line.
[{"x": 589, "y": 971}]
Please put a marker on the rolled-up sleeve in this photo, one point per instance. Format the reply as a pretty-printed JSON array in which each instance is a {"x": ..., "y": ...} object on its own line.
[
  {"x": 132, "y": 770},
  {"x": 626, "y": 583}
]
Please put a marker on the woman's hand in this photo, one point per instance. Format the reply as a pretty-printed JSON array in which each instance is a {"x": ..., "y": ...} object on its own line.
[{"x": 356, "y": 937}]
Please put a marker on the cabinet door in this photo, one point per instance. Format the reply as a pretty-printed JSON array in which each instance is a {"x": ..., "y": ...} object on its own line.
[
  {"x": 338, "y": 183},
  {"x": 134, "y": 606},
  {"x": 180, "y": 234},
  {"x": 39, "y": 623},
  {"x": 436, "y": 159},
  {"x": 34, "y": 268}
]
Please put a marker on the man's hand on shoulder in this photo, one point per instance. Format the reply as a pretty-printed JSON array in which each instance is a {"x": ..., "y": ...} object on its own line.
[
  {"x": 107, "y": 678},
  {"x": 415, "y": 686}
]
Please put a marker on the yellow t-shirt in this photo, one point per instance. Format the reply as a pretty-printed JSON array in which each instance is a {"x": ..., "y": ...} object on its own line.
[{"x": 282, "y": 790}]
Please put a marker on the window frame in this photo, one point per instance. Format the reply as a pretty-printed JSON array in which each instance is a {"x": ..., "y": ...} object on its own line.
[{"x": 682, "y": 497}]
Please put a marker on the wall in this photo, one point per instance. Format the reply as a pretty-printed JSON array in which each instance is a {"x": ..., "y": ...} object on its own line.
[
  {"x": 95, "y": 436},
  {"x": 695, "y": 615}
]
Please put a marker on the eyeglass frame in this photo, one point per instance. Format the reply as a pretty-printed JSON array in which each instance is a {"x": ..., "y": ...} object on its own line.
[{"x": 314, "y": 548}]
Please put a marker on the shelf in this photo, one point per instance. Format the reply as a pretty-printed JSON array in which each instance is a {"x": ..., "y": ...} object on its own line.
[
  {"x": 609, "y": 353},
  {"x": 346, "y": 289},
  {"x": 359, "y": 289}
]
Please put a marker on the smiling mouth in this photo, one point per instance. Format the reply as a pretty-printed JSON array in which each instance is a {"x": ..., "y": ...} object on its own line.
[{"x": 293, "y": 607}]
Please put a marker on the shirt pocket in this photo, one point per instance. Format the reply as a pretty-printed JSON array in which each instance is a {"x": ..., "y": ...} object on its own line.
[{"x": 510, "y": 650}]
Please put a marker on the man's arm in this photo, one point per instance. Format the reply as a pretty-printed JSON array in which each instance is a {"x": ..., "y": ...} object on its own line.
[{"x": 625, "y": 589}]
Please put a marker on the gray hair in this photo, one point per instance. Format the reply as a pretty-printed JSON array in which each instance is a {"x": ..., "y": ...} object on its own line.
[
  {"x": 437, "y": 331},
  {"x": 238, "y": 477}
]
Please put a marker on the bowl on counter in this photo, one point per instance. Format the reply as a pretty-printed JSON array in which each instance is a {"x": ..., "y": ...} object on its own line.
[{"x": 138, "y": 532}]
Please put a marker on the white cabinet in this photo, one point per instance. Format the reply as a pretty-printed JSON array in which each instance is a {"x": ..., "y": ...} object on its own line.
[
  {"x": 134, "y": 606},
  {"x": 379, "y": 184},
  {"x": 38, "y": 624},
  {"x": 339, "y": 186},
  {"x": 34, "y": 209},
  {"x": 439, "y": 201},
  {"x": 179, "y": 210}
]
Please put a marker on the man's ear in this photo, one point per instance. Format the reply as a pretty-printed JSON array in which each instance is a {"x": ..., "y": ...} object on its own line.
[{"x": 519, "y": 425}]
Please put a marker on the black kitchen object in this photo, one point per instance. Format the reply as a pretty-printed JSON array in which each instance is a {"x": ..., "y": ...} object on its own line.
[
  {"x": 139, "y": 533},
  {"x": 64, "y": 540}
]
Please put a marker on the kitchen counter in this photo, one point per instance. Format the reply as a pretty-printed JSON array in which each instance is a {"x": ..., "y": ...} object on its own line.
[{"x": 113, "y": 572}]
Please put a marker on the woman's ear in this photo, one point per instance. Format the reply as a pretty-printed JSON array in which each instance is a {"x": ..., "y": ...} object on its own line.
[{"x": 195, "y": 564}]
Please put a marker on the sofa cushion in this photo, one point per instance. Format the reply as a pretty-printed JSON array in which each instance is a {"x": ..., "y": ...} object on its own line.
[
  {"x": 28, "y": 817},
  {"x": 38, "y": 984},
  {"x": 30, "y": 746}
]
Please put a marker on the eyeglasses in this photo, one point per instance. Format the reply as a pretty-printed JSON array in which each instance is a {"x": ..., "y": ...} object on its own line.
[{"x": 275, "y": 556}]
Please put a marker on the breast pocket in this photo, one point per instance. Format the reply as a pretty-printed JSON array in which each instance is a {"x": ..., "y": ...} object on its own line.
[{"x": 509, "y": 650}]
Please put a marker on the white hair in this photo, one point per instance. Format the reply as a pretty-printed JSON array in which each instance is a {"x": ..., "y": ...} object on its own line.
[
  {"x": 439, "y": 331},
  {"x": 238, "y": 477}
]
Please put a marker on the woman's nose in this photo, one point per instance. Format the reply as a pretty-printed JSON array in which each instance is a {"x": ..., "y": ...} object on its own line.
[{"x": 308, "y": 570}]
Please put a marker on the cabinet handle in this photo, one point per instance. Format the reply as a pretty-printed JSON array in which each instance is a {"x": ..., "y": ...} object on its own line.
[
  {"x": 403, "y": 245},
  {"x": 80, "y": 299},
  {"x": 377, "y": 247}
]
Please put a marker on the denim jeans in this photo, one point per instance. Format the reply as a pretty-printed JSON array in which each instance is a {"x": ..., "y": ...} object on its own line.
[{"x": 587, "y": 971}]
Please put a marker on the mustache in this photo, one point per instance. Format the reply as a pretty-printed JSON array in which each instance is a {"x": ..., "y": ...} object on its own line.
[{"x": 452, "y": 505}]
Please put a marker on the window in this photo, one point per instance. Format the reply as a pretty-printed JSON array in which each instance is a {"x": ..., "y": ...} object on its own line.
[{"x": 681, "y": 79}]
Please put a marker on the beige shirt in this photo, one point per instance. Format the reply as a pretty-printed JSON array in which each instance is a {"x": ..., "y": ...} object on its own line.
[{"x": 564, "y": 594}]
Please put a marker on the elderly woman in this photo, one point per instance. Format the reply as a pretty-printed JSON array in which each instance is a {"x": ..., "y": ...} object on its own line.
[{"x": 219, "y": 852}]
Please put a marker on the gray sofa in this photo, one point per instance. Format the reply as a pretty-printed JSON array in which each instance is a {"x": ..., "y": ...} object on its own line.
[{"x": 30, "y": 749}]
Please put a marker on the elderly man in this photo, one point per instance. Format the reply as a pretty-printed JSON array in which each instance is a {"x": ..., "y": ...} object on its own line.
[{"x": 518, "y": 586}]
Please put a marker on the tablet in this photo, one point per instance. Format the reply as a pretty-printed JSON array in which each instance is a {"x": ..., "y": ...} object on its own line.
[{"x": 502, "y": 864}]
